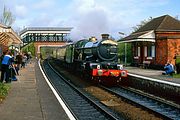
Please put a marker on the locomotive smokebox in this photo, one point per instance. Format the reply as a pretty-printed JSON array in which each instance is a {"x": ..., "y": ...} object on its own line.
[{"x": 105, "y": 36}]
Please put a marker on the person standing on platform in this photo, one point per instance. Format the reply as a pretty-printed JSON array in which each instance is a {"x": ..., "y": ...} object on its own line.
[
  {"x": 18, "y": 62},
  {"x": 6, "y": 62},
  {"x": 24, "y": 60}
]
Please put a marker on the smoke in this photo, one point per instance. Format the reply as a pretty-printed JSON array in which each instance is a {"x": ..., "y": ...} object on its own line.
[{"x": 93, "y": 23}]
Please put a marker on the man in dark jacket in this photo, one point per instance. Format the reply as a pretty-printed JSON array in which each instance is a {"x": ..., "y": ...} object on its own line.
[{"x": 6, "y": 62}]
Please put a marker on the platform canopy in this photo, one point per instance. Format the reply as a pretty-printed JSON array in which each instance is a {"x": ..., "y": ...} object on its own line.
[
  {"x": 8, "y": 36},
  {"x": 146, "y": 36}
]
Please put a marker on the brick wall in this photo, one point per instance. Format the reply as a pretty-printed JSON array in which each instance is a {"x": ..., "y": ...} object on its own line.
[
  {"x": 167, "y": 45},
  {"x": 173, "y": 47},
  {"x": 40, "y": 44},
  {"x": 161, "y": 52}
]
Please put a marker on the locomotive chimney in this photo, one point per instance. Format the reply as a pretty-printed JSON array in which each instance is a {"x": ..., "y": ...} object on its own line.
[{"x": 105, "y": 36}]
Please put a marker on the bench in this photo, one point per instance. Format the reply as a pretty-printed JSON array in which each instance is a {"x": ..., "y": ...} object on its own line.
[{"x": 145, "y": 64}]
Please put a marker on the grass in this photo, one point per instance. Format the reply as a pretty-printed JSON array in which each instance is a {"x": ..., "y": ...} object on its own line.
[
  {"x": 4, "y": 88},
  {"x": 176, "y": 75}
]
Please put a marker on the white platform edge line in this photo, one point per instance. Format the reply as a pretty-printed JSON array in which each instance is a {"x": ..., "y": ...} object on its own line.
[
  {"x": 156, "y": 80},
  {"x": 71, "y": 117}
]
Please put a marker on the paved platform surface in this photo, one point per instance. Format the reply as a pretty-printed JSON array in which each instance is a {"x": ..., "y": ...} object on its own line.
[
  {"x": 30, "y": 98},
  {"x": 157, "y": 74}
]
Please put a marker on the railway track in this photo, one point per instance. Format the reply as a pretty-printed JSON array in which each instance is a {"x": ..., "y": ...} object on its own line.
[
  {"x": 155, "y": 107},
  {"x": 166, "y": 111},
  {"x": 81, "y": 105}
]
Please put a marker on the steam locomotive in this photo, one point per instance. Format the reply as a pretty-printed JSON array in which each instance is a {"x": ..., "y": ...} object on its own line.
[{"x": 95, "y": 60}]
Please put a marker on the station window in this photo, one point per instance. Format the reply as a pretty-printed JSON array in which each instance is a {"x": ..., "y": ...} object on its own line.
[
  {"x": 151, "y": 51},
  {"x": 139, "y": 51},
  {"x": 145, "y": 51}
]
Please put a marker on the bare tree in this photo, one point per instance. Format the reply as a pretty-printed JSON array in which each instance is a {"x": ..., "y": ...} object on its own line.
[
  {"x": 142, "y": 23},
  {"x": 177, "y": 17},
  {"x": 7, "y": 18}
]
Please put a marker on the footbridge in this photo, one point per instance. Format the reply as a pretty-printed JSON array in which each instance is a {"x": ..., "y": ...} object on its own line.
[{"x": 45, "y": 36}]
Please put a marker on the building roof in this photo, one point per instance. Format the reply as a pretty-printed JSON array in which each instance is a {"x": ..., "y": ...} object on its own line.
[
  {"x": 162, "y": 23},
  {"x": 2, "y": 26},
  {"x": 47, "y": 30},
  {"x": 135, "y": 35},
  {"x": 8, "y": 36}
]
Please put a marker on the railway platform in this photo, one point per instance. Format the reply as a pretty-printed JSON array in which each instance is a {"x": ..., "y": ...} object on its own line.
[
  {"x": 30, "y": 98},
  {"x": 150, "y": 73}
]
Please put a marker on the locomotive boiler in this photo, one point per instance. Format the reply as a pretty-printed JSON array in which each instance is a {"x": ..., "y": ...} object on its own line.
[{"x": 95, "y": 60}]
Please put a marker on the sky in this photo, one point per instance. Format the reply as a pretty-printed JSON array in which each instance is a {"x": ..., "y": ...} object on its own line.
[{"x": 88, "y": 17}]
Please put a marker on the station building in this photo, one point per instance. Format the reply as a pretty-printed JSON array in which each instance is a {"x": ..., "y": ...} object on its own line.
[
  {"x": 8, "y": 39},
  {"x": 156, "y": 42}
]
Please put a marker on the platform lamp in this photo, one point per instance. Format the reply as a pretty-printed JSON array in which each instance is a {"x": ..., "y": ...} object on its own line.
[
  {"x": 11, "y": 47},
  {"x": 125, "y": 49}
]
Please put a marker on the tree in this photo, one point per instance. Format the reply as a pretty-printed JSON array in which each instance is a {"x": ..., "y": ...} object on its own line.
[
  {"x": 177, "y": 17},
  {"x": 142, "y": 23},
  {"x": 29, "y": 48},
  {"x": 7, "y": 18},
  {"x": 122, "y": 53}
]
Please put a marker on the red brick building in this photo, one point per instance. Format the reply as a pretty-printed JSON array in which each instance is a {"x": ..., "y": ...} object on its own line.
[{"x": 157, "y": 41}]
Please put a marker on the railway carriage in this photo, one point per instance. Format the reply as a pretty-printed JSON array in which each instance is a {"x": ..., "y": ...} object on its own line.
[{"x": 95, "y": 60}]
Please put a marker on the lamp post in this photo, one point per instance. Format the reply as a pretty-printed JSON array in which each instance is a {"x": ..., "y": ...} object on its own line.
[
  {"x": 125, "y": 52},
  {"x": 12, "y": 47},
  {"x": 125, "y": 49}
]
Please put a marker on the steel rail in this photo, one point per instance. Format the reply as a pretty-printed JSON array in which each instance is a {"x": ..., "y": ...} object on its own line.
[
  {"x": 160, "y": 108},
  {"x": 107, "y": 114}
]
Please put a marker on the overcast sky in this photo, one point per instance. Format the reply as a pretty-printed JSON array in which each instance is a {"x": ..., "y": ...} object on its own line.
[{"x": 88, "y": 17}]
